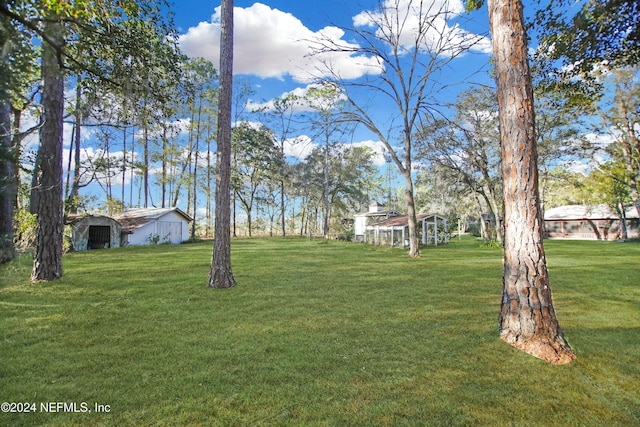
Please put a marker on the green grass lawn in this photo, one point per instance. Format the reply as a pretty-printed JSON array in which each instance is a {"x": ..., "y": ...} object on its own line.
[{"x": 316, "y": 333}]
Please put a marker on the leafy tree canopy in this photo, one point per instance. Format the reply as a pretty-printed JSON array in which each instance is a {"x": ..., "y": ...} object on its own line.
[
  {"x": 581, "y": 41},
  {"x": 600, "y": 32}
]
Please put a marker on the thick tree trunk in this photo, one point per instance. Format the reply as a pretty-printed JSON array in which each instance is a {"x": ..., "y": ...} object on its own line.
[
  {"x": 220, "y": 275},
  {"x": 48, "y": 256},
  {"x": 527, "y": 316},
  {"x": 8, "y": 184}
]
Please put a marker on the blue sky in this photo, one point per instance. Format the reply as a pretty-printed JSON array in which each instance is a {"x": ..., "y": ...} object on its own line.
[
  {"x": 271, "y": 52},
  {"x": 271, "y": 48}
]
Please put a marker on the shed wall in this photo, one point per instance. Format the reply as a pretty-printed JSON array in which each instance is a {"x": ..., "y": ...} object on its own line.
[
  {"x": 80, "y": 232},
  {"x": 169, "y": 228}
]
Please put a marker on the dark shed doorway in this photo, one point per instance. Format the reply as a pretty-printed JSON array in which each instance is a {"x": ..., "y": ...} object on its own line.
[{"x": 99, "y": 237}]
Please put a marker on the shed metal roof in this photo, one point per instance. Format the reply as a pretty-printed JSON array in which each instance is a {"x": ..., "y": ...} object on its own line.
[
  {"x": 137, "y": 217},
  {"x": 152, "y": 213}
]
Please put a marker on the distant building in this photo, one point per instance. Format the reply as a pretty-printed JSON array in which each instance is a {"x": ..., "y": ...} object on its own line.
[
  {"x": 376, "y": 213},
  {"x": 394, "y": 231},
  {"x": 387, "y": 227},
  {"x": 154, "y": 225},
  {"x": 589, "y": 222},
  {"x": 94, "y": 232}
]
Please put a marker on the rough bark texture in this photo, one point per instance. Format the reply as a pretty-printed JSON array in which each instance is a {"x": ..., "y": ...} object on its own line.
[
  {"x": 8, "y": 184},
  {"x": 221, "y": 275},
  {"x": 48, "y": 255},
  {"x": 527, "y": 316}
]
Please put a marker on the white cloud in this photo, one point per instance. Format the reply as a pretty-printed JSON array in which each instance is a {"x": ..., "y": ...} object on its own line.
[
  {"x": 299, "y": 103},
  {"x": 299, "y": 147},
  {"x": 296, "y": 106},
  {"x": 600, "y": 141},
  {"x": 172, "y": 129},
  {"x": 441, "y": 37},
  {"x": 576, "y": 166},
  {"x": 91, "y": 155},
  {"x": 377, "y": 146},
  {"x": 201, "y": 213},
  {"x": 270, "y": 43}
]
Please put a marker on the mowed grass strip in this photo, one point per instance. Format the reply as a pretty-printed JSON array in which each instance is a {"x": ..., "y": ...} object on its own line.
[{"x": 316, "y": 333}]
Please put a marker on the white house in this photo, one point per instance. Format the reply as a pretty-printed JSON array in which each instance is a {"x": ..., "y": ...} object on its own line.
[
  {"x": 376, "y": 213},
  {"x": 154, "y": 225}
]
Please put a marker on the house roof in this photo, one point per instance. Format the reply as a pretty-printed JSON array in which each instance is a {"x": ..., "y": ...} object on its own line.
[
  {"x": 576, "y": 212},
  {"x": 379, "y": 213},
  {"x": 403, "y": 220},
  {"x": 135, "y": 218}
]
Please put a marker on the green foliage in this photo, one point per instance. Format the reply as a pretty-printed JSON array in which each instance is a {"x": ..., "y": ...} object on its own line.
[
  {"x": 192, "y": 240},
  {"x": 316, "y": 334},
  {"x": 491, "y": 244},
  {"x": 153, "y": 238},
  {"x": 620, "y": 116},
  {"x": 87, "y": 203},
  {"x": 579, "y": 42},
  {"x": 353, "y": 177},
  {"x": 601, "y": 31},
  {"x": 257, "y": 156},
  {"x": 24, "y": 224},
  {"x": 67, "y": 239},
  {"x": 112, "y": 206},
  {"x": 563, "y": 187},
  {"x": 606, "y": 185},
  {"x": 463, "y": 156},
  {"x": 346, "y": 233},
  {"x": 18, "y": 58},
  {"x": 7, "y": 252},
  {"x": 471, "y": 5}
]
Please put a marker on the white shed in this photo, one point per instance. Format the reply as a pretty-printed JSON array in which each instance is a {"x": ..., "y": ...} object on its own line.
[{"x": 154, "y": 225}]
